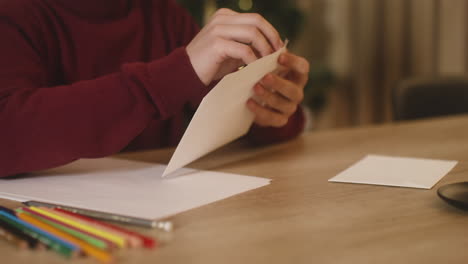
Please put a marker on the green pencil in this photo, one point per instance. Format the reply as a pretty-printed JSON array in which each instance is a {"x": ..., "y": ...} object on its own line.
[
  {"x": 63, "y": 248},
  {"x": 80, "y": 235}
]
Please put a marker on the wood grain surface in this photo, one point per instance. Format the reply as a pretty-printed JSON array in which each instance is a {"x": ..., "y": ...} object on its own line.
[{"x": 301, "y": 217}]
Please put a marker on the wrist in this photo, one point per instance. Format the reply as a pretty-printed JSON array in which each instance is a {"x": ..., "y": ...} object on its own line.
[{"x": 197, "y": 68}]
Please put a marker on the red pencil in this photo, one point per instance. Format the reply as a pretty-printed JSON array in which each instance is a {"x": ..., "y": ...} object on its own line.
[
  {"x": 110, "y": 245},
  {"x": 148, "y": 242}
]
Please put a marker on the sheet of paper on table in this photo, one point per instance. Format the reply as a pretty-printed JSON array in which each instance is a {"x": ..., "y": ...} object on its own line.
[
  {"x": 222, "y": 116},
  {"x": 396, "y": 171},
  {"x": 127, "y": 188}
]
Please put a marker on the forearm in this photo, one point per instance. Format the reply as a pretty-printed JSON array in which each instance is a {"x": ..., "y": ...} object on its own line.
[{"x": 50, "y": 126}]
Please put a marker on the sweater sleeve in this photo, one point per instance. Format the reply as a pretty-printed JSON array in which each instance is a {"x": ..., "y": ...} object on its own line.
[{"x": 43, "y": 126}]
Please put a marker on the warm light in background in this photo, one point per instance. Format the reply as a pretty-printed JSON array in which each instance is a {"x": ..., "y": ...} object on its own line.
[{"x": 245, "y": 5}]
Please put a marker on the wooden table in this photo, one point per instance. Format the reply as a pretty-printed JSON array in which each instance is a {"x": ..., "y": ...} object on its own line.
[{"x": 302, "y": 218}]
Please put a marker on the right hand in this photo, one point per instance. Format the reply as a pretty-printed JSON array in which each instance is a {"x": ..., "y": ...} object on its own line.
[{"x": 230, "y": 40}]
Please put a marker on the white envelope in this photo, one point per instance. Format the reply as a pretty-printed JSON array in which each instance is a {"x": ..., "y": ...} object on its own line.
[{"x": 222, "y": 116}]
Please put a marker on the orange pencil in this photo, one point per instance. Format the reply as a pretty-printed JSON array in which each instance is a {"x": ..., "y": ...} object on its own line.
[
  {"x": 120, "y": 241},
  {"x": 132, "y": 241},
  {"x": 92, "y": 239},
  {"x": 148, "y": 242},
  {"x": 88, "y": 249}
]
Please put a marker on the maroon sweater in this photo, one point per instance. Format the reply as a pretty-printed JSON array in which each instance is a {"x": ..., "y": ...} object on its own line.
[{"x": 90, "y": 78}]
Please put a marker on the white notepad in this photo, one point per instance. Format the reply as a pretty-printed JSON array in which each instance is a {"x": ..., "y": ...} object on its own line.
[
  {"x": 396, "y": 171},
  {"x": 127, "y": 188}
]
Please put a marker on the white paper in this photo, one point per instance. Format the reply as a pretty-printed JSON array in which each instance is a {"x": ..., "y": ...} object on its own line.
[
  {"x": 127, "y": 187},
  {"x": 396, "y": 171},
  {"x": 222, "y": 116}
]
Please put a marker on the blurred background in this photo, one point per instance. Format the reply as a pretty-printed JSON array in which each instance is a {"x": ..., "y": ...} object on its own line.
[{"x": 362, "y": 50}]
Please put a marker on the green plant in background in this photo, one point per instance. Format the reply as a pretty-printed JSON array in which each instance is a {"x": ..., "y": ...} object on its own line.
[{"x": 288, "y": 19}]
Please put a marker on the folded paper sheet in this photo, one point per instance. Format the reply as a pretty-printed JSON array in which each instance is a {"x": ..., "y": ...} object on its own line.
[
  {"x": 222, "y": 115},
  {"x": 396, "y": 171},
  {"x": 127, "y": 188}
]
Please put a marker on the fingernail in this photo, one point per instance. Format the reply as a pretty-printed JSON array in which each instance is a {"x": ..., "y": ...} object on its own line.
[
  {"x": 259, "y": 90},
  {"x": 282, "y": 59},
  {"x": 267, "y": 78}
]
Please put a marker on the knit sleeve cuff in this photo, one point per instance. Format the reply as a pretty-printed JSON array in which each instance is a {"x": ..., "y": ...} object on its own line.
[{"x": 174, "y": 83}]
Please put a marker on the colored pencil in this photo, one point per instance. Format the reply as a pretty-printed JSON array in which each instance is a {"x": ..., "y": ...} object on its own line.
[
  {"x": 121, "y": 242},
  {"x": 121, "y": 219},
  {"x": 99, "y": 254},
  {"x": 12, "y": 239},
  {"x": 33, "y": 243},
  {"x": 133, "y": 241},
  {"x": 148, "y": 242},
  {"x": 80, "y": 234},
  {"x": 58, "y": 245},
  {"x": 7, "y": 210}
]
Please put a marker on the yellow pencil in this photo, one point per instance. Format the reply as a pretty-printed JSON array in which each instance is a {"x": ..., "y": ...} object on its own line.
[
  {"x": 88, "y": 249},
  {"x": 132, "y": 241},
  {"x": 120, "y": 241}
]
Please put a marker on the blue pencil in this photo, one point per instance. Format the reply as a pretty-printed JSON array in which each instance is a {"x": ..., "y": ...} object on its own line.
[
  {"x": 7, "y": 210},
  {"x": 57, "y": 244}
]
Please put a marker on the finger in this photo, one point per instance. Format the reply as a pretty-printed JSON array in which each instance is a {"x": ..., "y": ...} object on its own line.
[
  {"x": 251, "y": 19},
  {"x": 225, "y": 11},
  {"x": 274, "y": 100},
  {"x": 300, "y": 67},
  {"x": 233, "y": 50},
  {"x": 265, "y": 116},
  {"x": 245, "y": 34},
  {"x": 222, "y": 12},
  {"x": 286, "y": 88}
]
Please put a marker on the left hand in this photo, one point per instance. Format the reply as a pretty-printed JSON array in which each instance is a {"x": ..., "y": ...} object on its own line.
[{"x": 277, "y": 96}]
